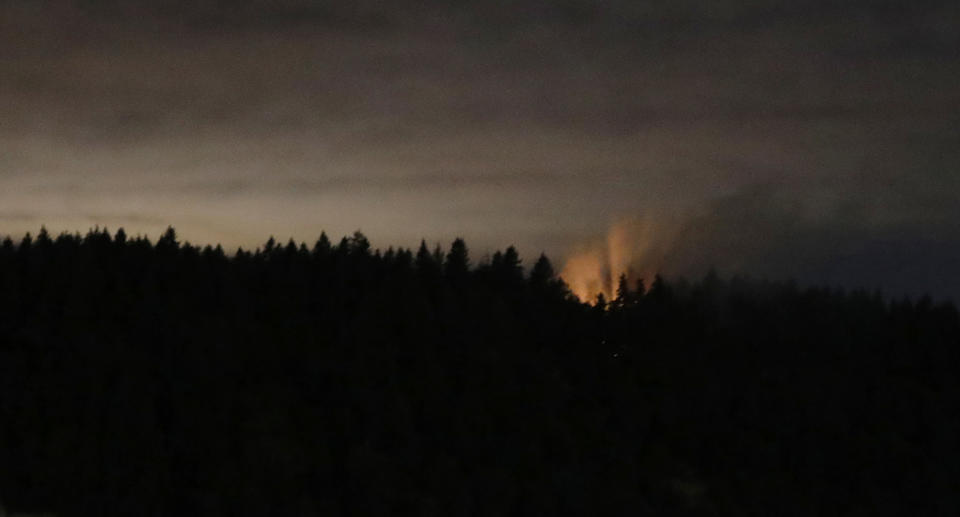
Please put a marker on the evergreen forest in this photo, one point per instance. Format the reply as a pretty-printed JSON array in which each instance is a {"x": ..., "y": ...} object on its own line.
[{"x": 165, "y": 379}]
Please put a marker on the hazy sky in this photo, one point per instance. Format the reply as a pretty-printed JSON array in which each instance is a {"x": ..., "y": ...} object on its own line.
[{"x": 813, "y": 139}]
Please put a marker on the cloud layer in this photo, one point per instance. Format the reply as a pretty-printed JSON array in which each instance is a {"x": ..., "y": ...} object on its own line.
[{"x": 766, "y": 126}]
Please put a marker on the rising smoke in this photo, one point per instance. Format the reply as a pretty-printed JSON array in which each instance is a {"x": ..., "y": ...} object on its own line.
[{"x": 634, "y": 247}]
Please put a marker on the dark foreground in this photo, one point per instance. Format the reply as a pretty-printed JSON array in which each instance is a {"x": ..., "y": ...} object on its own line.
[{"x": 141, "y": 379}]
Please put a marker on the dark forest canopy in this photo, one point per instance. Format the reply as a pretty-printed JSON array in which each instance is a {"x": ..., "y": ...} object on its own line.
[{"x": 334, "y": 379}]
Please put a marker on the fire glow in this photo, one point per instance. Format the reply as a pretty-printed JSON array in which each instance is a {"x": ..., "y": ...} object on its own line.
[{"x": 629, "y": 249}]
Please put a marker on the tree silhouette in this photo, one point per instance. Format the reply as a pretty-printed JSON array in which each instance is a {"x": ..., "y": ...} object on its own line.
[
  {"x": 173, "y": 379},
  {"x": 426, "y": 262},
  {"x": 542, "y": 272},
  {"x": 358, "y": 244},
  {"x": 168, "y": 241},
  {"x": 624, "y": 296},
  {"x": 457, "y": 262}
]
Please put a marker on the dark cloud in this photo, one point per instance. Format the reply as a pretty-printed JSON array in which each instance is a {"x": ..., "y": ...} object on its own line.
[
  {"x": 769, "y": 233},
  {"x": 19, "y": 216},
  {"x": 539, "y": 122}
]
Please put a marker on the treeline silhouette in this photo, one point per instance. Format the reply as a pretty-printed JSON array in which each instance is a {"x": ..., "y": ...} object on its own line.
[{"x": 168, "y": 379}]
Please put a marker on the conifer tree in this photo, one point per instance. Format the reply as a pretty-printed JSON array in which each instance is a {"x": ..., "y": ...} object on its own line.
[
  {"x": 322, "y": 247},
  {"x": 542, "y": 272},
  {"x": 457, "y": 262},
  {"x": 625, "y": 297},
  {"x": 426, "y": 262}
]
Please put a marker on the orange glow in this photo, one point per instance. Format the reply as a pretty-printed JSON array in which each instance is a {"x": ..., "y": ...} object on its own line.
[
  {"x": 587, "y": 274},
  {"x": 629, "y": 249}
]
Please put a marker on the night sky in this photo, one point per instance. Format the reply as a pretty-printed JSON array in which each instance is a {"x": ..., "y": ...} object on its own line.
[{"x": 817, "y": 140}]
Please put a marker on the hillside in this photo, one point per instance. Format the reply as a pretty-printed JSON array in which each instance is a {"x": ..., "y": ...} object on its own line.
[{"x": 168, "y": 379}]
